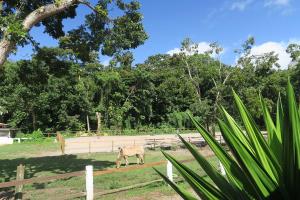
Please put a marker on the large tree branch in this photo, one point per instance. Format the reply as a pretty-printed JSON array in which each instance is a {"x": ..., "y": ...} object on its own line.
[
  {"x": 6, "y": 47},
  {"x": 36, "y": 16},
  {"x": 46, "y": 11}
]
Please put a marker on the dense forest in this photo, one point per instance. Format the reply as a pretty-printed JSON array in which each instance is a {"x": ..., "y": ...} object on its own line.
[
  {"x": 55, "y": 90},
  {"x": 67, "y": 88}
]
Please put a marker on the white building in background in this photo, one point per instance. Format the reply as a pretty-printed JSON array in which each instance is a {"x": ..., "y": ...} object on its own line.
[{"x": 6, "y": 134}]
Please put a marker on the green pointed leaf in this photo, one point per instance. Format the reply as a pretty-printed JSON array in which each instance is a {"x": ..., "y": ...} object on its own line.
[
  {"x": 234, "y": 173},
  {"x": 260, "y": 146},
  {"x": 291, "y": 145},
  {"x": 295, "y": 123},
  {"x": 231, "y": 191},
  {"x": 183, "y": 193},
  {"x": 204, "y": 189},
  {"x": 274, "y": 137},
  {"x": 236, "y": 129},
  {"x": 259, "y": 177}
]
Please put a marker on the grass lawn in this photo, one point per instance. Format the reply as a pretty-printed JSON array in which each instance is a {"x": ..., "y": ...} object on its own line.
[{"x": 40, "y": 160}]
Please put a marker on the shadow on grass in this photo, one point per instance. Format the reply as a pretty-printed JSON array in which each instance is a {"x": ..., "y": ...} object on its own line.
[{"x": 49, "y": 164}]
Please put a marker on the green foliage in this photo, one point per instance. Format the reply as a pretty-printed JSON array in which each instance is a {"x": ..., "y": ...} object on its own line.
[
  {"x": 37, "y": 135},
  {"x": 56, "y": 91},
  {"x": 179, "y": 119},
  {"x": 58, "y": 2},
  {"x": 256, "y": 168},
  {"x": 21, "y": 135},
  {"x": 294, "y": 50},
  {"x": 100, "y": 32}
]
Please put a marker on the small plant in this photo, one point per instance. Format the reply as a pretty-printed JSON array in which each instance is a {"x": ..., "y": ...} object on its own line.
[
  {"x": 256, "y": 168},
  {"x": 37, "y": 136}
]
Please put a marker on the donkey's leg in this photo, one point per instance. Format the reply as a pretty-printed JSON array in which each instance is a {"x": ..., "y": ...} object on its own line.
[
  {"x": 142, "y": 158},
  {"x": 137, "y": 159},
  {"x": 126, "y": 160}
]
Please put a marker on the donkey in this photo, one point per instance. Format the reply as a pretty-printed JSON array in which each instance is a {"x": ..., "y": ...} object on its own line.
[
  {"x": 125, "y": 152},
  {"x": 60, "y": 138}
]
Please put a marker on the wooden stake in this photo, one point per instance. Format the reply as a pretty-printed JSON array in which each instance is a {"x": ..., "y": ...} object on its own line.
[{"x": 20, "y": 176}]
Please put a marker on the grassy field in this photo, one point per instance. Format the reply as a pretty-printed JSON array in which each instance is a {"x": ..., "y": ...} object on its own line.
[{"x": 43, "y": 160}]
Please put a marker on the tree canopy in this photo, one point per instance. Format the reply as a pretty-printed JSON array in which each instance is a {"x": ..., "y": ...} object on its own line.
[
  {"x": 61, "y": 87},
  {"x": 53, "y": 91},
  {"x": 101, "y": 31}
]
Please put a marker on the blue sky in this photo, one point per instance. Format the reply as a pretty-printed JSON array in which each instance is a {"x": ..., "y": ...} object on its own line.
[{"x": 273, "y": 23}]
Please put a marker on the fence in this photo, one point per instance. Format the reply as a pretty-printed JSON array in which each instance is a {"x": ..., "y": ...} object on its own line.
[
  {"x": 136, "y": 131},
  {"x": 111, "y": 143},
  {"x": 89, "y": 174}
]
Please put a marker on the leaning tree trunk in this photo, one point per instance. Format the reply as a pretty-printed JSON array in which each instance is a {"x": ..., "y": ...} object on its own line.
[
  {"x": 36, "y": 16},
  {"x": 88, "y": 124},
  {"x": 98, "y": 115},
  {"x": 34, "y": 120},
  {"x": 6, "y": 47}
]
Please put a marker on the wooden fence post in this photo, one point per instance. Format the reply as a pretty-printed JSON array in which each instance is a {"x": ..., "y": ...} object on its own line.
[
  {"x": 223, "y": 172},
  {"x": 20, "y": 176},
  {"x": 170, "y": 171},
  {"x": 112, "y": 146},
  {"x": 89, "y": 182}
]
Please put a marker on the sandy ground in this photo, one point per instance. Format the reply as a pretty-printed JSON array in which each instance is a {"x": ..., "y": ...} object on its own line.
[{"x": 111, "y": 143}]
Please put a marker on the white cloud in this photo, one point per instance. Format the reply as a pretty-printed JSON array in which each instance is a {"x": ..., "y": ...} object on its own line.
[
  {"x": 202, "y": 47},
  {"x": 240, "y": 5},
  {"x": 277, "y": 2},
  {"x": 278, "y": 47},
  {"x": 283, "y": 6}
]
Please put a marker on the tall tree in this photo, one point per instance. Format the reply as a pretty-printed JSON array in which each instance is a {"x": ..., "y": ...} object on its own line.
[{"x": 99, "y": 29}]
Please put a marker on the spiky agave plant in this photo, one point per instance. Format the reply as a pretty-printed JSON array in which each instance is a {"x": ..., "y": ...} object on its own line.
[{"x": 256, "y": 168}]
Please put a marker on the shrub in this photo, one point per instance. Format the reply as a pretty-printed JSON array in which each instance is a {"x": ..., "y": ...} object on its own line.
[
  {"x": 37, "y": 135},
  {"x": 256, "y": 168}
]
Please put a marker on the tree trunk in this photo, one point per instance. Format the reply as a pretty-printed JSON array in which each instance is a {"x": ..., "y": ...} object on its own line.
[
  {"x": 88, "y": 124},
  {"x": 6, "y": 47},
  {"x": 33, "y": 120},
  {"x": 32, "y": 19},
  {"x": 197, "y": 88},
  {"x": 98, "y": 115}
]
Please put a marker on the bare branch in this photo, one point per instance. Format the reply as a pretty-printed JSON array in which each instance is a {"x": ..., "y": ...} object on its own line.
[
  {"x": 226, "y": 78},
  {"x": 88, "y": 5}
]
